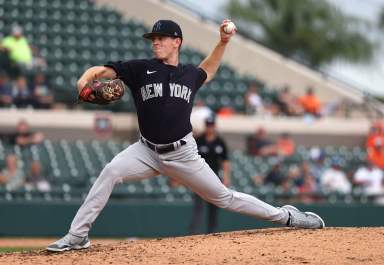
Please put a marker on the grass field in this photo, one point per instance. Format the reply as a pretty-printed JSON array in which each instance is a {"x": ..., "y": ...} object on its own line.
[
  {"x": 16, "y": 249},
  {"x": 22, "y": 244}
]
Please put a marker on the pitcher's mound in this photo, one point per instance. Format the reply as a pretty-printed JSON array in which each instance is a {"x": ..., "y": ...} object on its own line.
[{"x": 262, "y": 246}]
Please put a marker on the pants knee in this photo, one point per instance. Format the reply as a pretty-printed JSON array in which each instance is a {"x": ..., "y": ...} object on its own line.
[
  {"x": 223, "y": 200},
  {"x": 111, "y": 173}
]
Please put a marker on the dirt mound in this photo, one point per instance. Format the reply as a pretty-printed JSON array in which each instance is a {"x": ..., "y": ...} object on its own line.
[{"x": 263, "y": 246}]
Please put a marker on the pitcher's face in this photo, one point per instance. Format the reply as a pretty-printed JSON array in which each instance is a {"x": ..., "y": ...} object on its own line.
[{"x": 165, "y": 47}]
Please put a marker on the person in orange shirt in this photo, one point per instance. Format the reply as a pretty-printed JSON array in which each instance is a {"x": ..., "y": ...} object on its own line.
[
  {"x": 285, "y": 145},
  {"x": 375, "y": 132},
  {"x": 310, "y": 103},
  {"x": 375, "y": 154}
]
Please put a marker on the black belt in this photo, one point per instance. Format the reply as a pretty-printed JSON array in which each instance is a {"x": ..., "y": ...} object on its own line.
[{"x": 163, "y": 148}]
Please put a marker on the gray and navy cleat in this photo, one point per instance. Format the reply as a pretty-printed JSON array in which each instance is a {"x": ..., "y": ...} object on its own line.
[
  {"x": 303, "y": 219},
  {"x": 69, "y": 242}
]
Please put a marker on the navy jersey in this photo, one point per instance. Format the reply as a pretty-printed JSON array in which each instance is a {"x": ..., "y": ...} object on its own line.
[
  {"x": 214, "y": 152},
  {"x": 163, "y": 95}
]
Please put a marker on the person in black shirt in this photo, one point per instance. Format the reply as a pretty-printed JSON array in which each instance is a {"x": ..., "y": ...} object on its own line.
[
  {"x": 163, "y": 91},
  {"x": 214, "y": 151},
  {"x": 23, "y": 136},
  {"x": 275, "y": 176},
  {"x": 259, "y": 145}
]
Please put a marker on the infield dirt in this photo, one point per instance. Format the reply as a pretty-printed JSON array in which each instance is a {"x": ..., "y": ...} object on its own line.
[{"x": 261, "y": 246}]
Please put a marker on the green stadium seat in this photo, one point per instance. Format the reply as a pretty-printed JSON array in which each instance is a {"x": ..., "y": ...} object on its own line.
[
  {"x": 73, "y": 166},
  {"x": 73, "y": 35}
]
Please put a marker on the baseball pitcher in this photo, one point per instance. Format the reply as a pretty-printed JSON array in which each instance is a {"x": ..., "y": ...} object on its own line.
[{"x": 163, "y": 91}]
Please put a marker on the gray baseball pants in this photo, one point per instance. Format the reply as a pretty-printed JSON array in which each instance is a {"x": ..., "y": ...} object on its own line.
[{"x": 184, "y": 165}]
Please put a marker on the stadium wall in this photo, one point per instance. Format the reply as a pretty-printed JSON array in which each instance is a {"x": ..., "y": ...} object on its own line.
[
  {"x": 238, "y": 124},
  {"x": 155, "y": 219},
  {"x": 72, "y": 125}
]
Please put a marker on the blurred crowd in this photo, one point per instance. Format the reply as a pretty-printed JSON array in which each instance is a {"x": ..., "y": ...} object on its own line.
[
  {"x": 33, "y": 176},
  {"x": 285, "y": 103},
  {"x": 280, "y": 102},
  {"x": 309, "y": 179},
  {"x": 320, "y": 174},
  {"x": 22, "y": 80},
  {"x": 12, "y": 178}
]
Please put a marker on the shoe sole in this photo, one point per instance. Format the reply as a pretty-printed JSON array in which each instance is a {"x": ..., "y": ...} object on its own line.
[
  {"x": 310, "y": 213},
  {"x": 76, "y": 247},
  {"x": 317, "y": 216}
]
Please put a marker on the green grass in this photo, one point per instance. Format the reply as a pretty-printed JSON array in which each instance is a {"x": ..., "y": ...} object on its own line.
[{"x": 16, "y": 249}]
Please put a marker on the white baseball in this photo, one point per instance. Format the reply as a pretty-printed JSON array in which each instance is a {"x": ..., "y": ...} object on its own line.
[{"x": 229, "y": 27}]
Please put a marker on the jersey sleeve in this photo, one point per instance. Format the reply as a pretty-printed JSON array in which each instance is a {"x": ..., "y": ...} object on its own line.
[
  {"x": 201, "y": 76},
  {"x": 125, "y": 70}
]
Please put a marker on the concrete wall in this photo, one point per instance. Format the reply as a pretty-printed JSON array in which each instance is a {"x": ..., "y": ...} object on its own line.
[{"x": 71, "y": 125}]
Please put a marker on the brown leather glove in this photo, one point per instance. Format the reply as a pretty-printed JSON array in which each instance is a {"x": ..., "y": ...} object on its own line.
[{"x": 102, "y": 92}]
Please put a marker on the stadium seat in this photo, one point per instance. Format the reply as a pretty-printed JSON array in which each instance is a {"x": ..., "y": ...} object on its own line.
[
  {"x": 73, "y": 35},
  {"x": 72, "y": 166}
]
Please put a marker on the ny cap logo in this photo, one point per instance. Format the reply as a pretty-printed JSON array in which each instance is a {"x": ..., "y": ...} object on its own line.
[{"x": 157, "y": 26}]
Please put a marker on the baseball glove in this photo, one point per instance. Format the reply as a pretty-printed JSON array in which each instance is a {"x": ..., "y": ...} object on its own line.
[{"x": 102, "y": 92}]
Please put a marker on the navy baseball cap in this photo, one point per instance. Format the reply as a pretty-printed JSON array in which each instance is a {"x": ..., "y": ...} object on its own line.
[
  {"x": 165, "y": 28},
  {"x": 211, "y": 120}
]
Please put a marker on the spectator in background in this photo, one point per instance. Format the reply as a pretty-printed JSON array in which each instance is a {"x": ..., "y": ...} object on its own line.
[
  {"x": 375, "y": 154},
  {"x": 201, "y": 111},
  {"x": 308, "y": 189},
  {"x": 276, "y": 175},
  {"x": 369, "y": 178},
  {"x": 35, "y": 179},
  {"x": 12, "y": 177},
  {"x": 38, "y": 62},
  {"x": 259, "y": 145},
  {"x": 6, "y": 99},
  {"x": 285, "y": 145},
  {"x": 334, "y": 179},
  {"x": 376, "y": 131},
  {"x": 298, "y": 174},
  {"x": 253, "y": 101},
  {"x": 24, "y": 136},
  {"x": 294, "y": 175},
  {"x": 310, "y": 103},
  {"x": 19, "y": 50},
  {"x": 42, "y": 96},
  {"x": 306, "y": 183},
  {"x": 317, "y": 166},
  {"x": 21, "y": 93},
  {"x": 288, "y": 103}
]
